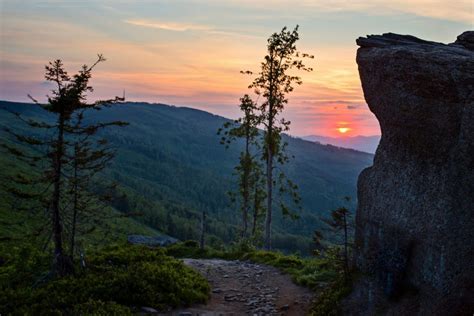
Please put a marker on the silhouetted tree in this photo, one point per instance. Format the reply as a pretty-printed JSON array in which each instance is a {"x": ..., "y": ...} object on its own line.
[
  {"x": 50, "y": 156},
  {"x": 273, "y": 83}
]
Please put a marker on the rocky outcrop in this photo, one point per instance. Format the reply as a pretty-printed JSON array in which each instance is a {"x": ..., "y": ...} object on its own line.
[{"x": 415, "y": 219}]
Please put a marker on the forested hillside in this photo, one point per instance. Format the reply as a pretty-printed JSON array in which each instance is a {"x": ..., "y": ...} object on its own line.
[{"x": 170, "y": 167}]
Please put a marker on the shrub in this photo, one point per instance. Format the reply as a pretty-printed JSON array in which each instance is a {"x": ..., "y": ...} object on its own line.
[
  {"x": 115, "y": 279},
  {"x": 328, "y": 302},
  {"x": 99, "y": 308}
]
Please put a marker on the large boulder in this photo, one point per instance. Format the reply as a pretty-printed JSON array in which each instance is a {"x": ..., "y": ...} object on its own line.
[{"x": 414, "y": 241}]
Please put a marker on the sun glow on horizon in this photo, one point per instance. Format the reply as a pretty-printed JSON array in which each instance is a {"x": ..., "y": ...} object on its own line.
[{"x": 343, "y": 130}]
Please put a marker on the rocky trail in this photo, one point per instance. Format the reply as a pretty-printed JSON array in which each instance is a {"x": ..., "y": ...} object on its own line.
[{"x": 244, "y": 288}]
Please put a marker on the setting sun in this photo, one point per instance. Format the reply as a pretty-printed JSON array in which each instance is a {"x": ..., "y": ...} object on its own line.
[{"x": 343, "y": 130}]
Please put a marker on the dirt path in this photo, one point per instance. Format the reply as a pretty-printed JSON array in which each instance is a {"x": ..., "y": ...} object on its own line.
[{"x": 243, "y": 288}]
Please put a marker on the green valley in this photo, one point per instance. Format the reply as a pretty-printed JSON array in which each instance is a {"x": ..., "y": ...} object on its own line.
[{"x": 170, "y": 167}]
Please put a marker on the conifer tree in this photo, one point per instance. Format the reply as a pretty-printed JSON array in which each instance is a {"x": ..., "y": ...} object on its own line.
[
  {"x": 89, "y": 155},
  {"x": 52, "y": 156},
  {"x": 274, "y": 82},
  {"x": 341, "y": 224}
]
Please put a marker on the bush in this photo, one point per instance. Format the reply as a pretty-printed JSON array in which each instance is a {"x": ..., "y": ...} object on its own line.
[
  {"x": 116, "y": 279},
  {"x": 99, "y": 308},
  {"x": 21, "y": 265},
  {"x": 328, "y": 302}
]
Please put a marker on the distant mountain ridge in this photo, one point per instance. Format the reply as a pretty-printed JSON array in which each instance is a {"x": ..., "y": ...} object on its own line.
[
  {"x": 171, "y": 167},
  {"x": 366, "y": 144}
]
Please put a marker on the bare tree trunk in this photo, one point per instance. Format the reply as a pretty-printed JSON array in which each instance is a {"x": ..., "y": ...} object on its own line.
[
  {"x": 255, "y": 209},
  {"x": 62, "y": 265},
  {"x": 346, "y": 255},
  {"x": 269, "y": 141},
  {"x": 203, "y": 230},
  {"x": 245, "y": 213},
  {"x": 75, "y": 205},
  {"x": 246, "y": 188},
  {"x": 268, "y": 219}
]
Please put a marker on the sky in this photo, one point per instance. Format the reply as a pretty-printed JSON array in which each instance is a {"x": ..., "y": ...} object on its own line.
[{"x": 190, "y": 53}]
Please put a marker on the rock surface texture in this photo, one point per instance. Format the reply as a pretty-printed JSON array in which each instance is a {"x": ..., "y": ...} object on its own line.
[{"x": 415, "y": 219}]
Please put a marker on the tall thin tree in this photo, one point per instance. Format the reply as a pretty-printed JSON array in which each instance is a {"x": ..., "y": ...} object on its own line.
[
  {"x": 341, "y": 222},
  {"x": 248, "y": 169},
  {"x": 274, "y": 82}
]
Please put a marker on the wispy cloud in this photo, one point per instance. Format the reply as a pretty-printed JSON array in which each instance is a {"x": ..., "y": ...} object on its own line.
[
  {"x": 183, "y": 27},
  {"x": 459, "y": 10},
  {"x": 169, "y": 26}
]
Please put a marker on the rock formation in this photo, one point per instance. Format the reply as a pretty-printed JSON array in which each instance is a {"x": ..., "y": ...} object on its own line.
[{"x": 415, "y": 220}]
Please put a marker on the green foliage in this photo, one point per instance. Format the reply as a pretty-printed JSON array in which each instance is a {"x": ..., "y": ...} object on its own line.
[
  {"x": 99, "y": 308},
  {"x": 328, "y": 303},
  {"x": 191, "y": 249},
  {"x": 22, "y": 264},
  {"x": 310, "y": 272},
  {"x": 114, "y": 280}
]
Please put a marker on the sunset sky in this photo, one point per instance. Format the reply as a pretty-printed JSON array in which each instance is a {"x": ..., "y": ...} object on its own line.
[{"x": 189, "y": 53}]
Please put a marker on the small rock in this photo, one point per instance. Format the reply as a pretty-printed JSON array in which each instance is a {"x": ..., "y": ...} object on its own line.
[
  {"x": 217, "y": 290},
  {"x": 285, "y": 307},
  {"x": 185, "y": 314},
  {"x": 154, "y": 241},
  {"x": 149, "y": 310}
]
